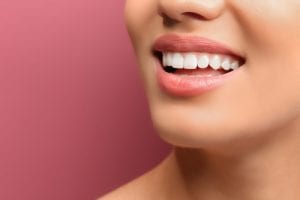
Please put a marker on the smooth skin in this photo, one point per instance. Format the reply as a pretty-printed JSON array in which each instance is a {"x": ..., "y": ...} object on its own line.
[{"x": 240, "y": 141}]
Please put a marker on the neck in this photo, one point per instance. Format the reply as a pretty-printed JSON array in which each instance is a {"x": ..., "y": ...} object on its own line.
[{"x": 270, "y": 173}]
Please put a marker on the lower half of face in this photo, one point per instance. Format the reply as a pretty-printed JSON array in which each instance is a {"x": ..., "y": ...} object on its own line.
[{"x": 259, "y": 100}]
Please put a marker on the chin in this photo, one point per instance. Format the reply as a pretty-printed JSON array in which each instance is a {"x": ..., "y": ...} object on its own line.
[
  {"x": 204, "y": 134},
  {"x": 219, "y": 130}
]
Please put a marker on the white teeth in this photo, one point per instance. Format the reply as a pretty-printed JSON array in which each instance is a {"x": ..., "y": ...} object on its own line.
[
  {"x": 177, "y": 61},
  {"x": 201, "y": 60},
  {"x": 169, "y": 59},
  {"x": 190, "y": 61},
  {"x": 215, "y": 62},
  {"x": 226, "y": 64},
  {"x": 165, "y": 60},
  {"x": 235, "y": 65}
]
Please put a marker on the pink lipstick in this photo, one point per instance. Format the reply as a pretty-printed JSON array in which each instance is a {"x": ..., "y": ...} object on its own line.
[{"x": 197, "y": 64}]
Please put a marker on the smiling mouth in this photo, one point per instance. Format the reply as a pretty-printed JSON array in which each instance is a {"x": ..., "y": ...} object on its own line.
[
  {"x": 198, "y": 64},
  {"x": 192, "y": 65},
  {"x": 193, "y": 55}
]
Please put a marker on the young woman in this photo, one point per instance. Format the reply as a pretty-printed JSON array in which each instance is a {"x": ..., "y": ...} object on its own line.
[{"x": 222, "y": 79}]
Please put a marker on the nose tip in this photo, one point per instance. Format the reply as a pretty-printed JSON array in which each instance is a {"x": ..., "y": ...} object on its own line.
[{"x": 177, "y": 10}]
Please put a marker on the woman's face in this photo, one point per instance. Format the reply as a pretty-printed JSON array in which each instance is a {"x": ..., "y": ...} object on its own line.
[{"x": 251, "y": 103}]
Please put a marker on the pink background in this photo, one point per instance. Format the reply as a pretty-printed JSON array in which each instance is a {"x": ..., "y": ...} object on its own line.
[{"x": 74, "y": 122}]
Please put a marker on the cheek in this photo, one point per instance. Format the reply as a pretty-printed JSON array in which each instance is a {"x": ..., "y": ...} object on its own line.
[
  {"x": 269, "y": 23},
  {"x": 138, "y": 16},
  {"x": 272, "y": 43},
  {"x": 274, "y": 71},
  {"x": 131, "y": 12}
]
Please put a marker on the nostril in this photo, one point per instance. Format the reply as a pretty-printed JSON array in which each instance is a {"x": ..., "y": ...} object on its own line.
[
  {"x": 194, "y": 15},
  {"x": 168, "y": 21}
]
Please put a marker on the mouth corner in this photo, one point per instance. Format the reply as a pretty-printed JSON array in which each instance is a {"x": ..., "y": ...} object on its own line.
[{"x": 157, "y": 54}]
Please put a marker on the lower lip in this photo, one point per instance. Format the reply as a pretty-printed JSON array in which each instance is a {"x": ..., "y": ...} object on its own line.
[{"x": 188, "y": 85}]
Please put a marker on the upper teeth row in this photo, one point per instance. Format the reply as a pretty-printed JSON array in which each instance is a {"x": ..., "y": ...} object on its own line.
[{"x": 200, "y": 60}]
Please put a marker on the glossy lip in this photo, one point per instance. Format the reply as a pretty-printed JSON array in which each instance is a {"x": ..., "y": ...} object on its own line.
[
  {"x": 179, "y": 43},
  {"x": 190, "y": 85}
]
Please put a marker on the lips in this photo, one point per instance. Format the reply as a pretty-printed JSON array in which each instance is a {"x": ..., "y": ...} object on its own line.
[
  {"x": 191, "y": 66},
  {"x": 175, "y": 43}
]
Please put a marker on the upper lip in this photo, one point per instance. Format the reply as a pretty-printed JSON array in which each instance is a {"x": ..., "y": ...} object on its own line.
[{"x": 180, "y": 43}]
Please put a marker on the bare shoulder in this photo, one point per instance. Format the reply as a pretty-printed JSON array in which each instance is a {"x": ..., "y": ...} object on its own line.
[{"x": 145, "y": 187}]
